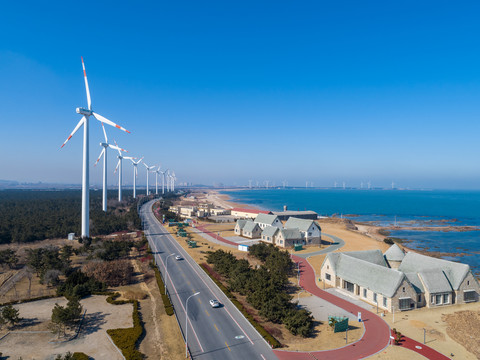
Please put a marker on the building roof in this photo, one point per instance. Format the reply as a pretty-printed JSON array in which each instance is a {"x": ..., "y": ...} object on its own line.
[
  {"x": 435, "y": 281},
  {"x": 291, "y": 234},
  {"x": 266, "y": 219},
  {"x": 293, "y": 213},
  {"x": 455, "y": 272},
  {"x": 371, "y": 256},
  {"x": 241, "y": 223},
  {"x": 251, "y": 211},
  {"x": 415, "y": 281},
  {"x": 377, "y": 278},
  {"x": 394, "y": 253},
  {"x": 250, "y": 226},
  {"x": 301, "y": 224},
  {"x": 269, "y": 231}
]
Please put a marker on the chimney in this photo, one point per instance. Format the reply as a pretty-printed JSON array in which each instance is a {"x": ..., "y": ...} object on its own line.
[{"x": 284, "y": 207}]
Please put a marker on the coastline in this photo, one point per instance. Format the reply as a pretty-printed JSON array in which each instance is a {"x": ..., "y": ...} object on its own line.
[{"x": 373, "y": 232}]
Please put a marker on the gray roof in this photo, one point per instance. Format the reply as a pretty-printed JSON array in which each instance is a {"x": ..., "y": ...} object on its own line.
[
  {"x": 394, "y": 253},
  {"x": 250, "y": 226},
  {"x": 301, "y": 224},
  {"x": 435, "y": 281},
  {"x": 241, "y": 223},
  {"x": 455, "y": 272},
  {"x": 269, "y": 231},
  {"x": 415, "y": 281},
  {"x": 377, "y": 278},
  {"x": 291, "y": 234},
  {"x": 266, "y": 219},
  {"x": 293, "y": 212},
  {"x": 372, "y": 256}
]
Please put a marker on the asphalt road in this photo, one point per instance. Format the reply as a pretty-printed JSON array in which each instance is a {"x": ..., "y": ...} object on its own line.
[{"x": 213, "y": 333}]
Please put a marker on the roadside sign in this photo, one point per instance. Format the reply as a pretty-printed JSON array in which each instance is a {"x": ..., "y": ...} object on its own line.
[{"x": 359, "y": 316}]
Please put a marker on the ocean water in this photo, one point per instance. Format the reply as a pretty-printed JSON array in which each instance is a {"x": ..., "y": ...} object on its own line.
[{"x": 386, "y": 207}]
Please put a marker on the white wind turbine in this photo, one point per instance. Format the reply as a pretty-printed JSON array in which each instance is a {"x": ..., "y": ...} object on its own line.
[
  {"x": 119, "y": 167},
  {"x": 85, "y": 170},
  {"x": 103, "y": 153},
  {"x": 135, "y": 174},
  {"x": 149, "y": 168},
  {"x": 172, "y": 187},
  {"x": 156, "y": 179},
  {"x": 168, "y": 179},
  {"x": 163, "y": 181}
]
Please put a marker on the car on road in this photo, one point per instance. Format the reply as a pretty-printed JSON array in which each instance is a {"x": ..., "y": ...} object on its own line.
[
  {"x": 178, "y": 257},
  {"x": 214, "y": 303}
]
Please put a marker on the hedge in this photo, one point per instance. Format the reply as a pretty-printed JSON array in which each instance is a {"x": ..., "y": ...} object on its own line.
[
  {"x": 126, "y": 339},
  {"x": 274, "y": 343},
  {"x": 80, "y": 356},
  {"x": 161, "y": 286},
  {"x": 29, "y": 300}
]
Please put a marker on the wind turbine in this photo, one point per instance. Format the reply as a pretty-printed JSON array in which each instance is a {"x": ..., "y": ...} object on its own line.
[
  {"x": 103, "y": 153},
  {"x": 119, "y": 167},
  {"x": 135, "y": 174},
  {"x": 156, "y": 179},
  {"x": 168, "y": 179},
  {"x": 173, "y": 181},
  {"x": 163, "y": 181},
  {"x": 85, "y": 170},
  {"x": 149, "y": 168}
]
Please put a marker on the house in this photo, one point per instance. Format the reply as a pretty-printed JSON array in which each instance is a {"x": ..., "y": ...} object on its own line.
[
  {"x": 239, "y": 227},
  {"x": 247, "y": 213},
  {"x": 309, "y": 229},
  {"x": 268, "y": 234},
  {"x": 251, "y": 230},
  {"x": 219, "y": 211},
  {"x": 264, "y": 220},
  {"x": 288, "y": 237},
  {"x": 287, "y": 214},
  {"x": 399, "y": 281},
  {"x": 442, "y": 282}
]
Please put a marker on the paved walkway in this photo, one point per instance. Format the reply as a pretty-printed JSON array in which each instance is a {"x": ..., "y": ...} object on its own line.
[{"x": 424, "y": 350}]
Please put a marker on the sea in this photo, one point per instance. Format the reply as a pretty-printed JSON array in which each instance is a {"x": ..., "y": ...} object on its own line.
[{"x": 403, "y": 208}]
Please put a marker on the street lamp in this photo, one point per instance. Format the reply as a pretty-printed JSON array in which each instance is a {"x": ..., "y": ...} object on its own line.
[
  {"x": 166, "y": 270},
  {"x": 186, "y": 323},
  {"x": 298, "y": 272}
]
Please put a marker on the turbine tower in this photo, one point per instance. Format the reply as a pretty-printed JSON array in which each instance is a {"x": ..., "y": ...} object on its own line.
[
  {"x": 119, "y": 167},
  {"x": 149, "y": 168},
  {"x": 135, "y": 174},
  {"x": 156, "y": 179},
  {"x": 86, "y": 113},
  {"x": 163, "y": 181},
  {"x": 173, "y": 181},
  {"x": 103, "y": 153}
]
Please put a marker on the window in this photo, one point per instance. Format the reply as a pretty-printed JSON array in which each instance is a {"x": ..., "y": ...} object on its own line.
[
  {"x": 375, "y": 297},
  {"x": 432, "y": 299},
  {"x": 404, "y": 304},
  {"x": 364, "y": 293},
  {"x": 468, "y": 282},
  {"x": 438, "y": 299},
  {"x": 309, "y": 234},
  {"x": 419, "y": 297},
  {"x": 403, "y": 289},
  {"x": 445, "y": 299},
  {"x": 328, "y": 267},
  {"x": 384, "y": 301},
  {"x": 327, "y": 276},
  {"x": 469, "y": 295}
]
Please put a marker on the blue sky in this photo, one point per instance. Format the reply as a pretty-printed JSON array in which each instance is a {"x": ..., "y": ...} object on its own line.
[{"x": 226, "y": 92}]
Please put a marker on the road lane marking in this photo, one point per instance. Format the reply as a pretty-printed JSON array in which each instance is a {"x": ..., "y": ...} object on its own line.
[
  {"x": 200, "y": 301},
  {"x": 216, "y": 327},
  {"x": 263, "y": 357},
  {"x": 227, "y": 346},
  {"x": 207, "y": 313}
]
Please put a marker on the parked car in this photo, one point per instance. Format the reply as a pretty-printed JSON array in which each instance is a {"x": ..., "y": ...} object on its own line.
[{"x": 214, "y": 303}]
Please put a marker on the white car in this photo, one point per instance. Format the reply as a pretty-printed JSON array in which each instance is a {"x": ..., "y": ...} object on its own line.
[
  {"x": 214, "y": 303},
  {"x": 178, "y": 257}
]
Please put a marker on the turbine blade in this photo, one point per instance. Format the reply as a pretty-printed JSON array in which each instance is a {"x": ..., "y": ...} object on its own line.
[
  {"x": 118, "y": 163},
  {"x": 80, "y": 123},
  {"x": 116, "y": 148},
  {"x": 101, "y": 153},
  {"x": 105, "y": 120},
  {"x": 89, "y": 100},
  {"x": 104, "y": 133}
]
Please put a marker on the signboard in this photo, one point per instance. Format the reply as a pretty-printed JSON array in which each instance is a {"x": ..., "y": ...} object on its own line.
[
  {"x": 359, "y": 316},
  {"x": 243, "y": 247}
]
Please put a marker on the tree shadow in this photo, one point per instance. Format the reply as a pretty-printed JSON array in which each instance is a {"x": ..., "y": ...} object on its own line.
[
  {"x": 93, "y": 323},
  {"x": 27, "y": 323}
]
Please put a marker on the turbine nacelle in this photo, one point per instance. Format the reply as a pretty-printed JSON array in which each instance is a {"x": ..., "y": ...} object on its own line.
[{"x": 84, "y": 112}]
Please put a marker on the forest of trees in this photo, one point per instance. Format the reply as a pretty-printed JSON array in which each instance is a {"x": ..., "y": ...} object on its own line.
[
  {"x": 30, "y": 215},
  {"x": 266, "y": 287}
]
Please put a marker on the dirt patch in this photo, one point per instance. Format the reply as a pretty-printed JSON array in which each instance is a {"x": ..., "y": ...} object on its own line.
[{"x": 464, "y": 328}]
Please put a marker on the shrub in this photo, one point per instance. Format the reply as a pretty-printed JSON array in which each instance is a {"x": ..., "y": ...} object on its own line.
[
  {"x": 79, "y": 285},
  {"x": 80, "y": 356},
  {"x": 388, "y": 241},
  {"x": 161, "y": 287},
  {"x": 126, "y": 339},
  {"x": 112, "y": 273}
]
